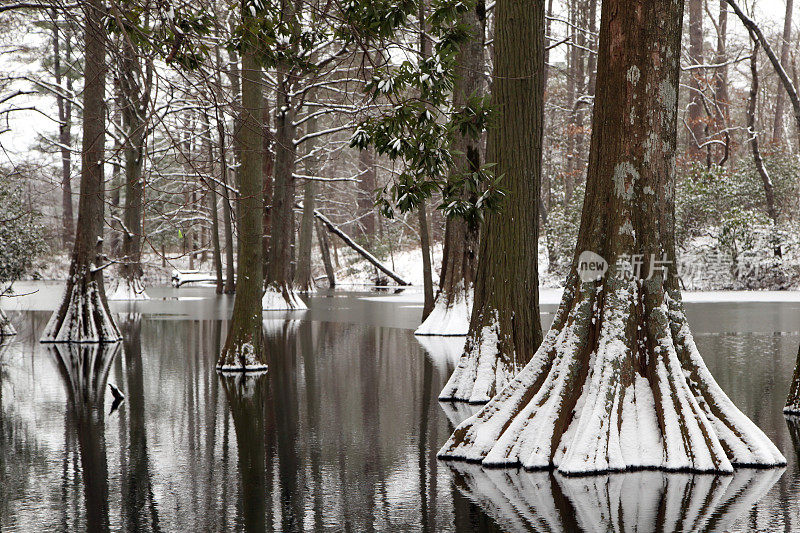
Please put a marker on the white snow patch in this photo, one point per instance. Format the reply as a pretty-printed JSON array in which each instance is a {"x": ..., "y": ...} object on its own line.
[
  {"x": 126, "y": 289},
  {"x": 449, "y": 320},
  {"x": 276, "y": 300}
]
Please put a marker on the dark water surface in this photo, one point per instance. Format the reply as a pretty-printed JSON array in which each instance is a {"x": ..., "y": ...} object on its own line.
[{"x": 340, "y": 434}]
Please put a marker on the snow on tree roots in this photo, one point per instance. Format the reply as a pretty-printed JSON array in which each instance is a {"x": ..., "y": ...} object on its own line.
[
  {"x": 450, "y": 316},
  {"x": 281, "y": 299},
  {"x": 83, "y": 316},
  {"x": 128, "y": 289},
  {"x": 617, "y": 384}
]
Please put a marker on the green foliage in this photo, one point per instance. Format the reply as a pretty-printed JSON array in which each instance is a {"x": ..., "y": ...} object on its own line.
[
  {"x": 21, "y": 235},
  {"x": 419, "y": 124}
]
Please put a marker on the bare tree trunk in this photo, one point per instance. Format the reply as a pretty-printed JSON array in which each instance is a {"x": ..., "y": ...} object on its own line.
[
  {"x": 227, "y": 213},
  {"x": 213, "y": 208},
  {"x": 64, "y": 132},
  {"x": 618, "y": 383},
  {"x": 505, "y": 328},
  {"x": 83, "y": 315},
  {"x": 243, "y": 350},
  {"x": 453, "y": 304},
  {"x": 427, "y": 271},
  {"x": 695, "y": 114},
  {"x": 776, "y": 64},
  {"x": 721, "y": 103},
  {"x": 422, "y": 214},
  {"x": 769, "y": 191},
  {"x": 303, "y": 279},
  {"x": 135, "y": 82},
  {"x": 280, "y": 292},
  {"x": 230, "y": 269},
  {"x": 325, "y": 252},
  {"x": 751, "y": 128},
  {"x": 777, "y": 126},
  {"x": 366, "y": 191}
]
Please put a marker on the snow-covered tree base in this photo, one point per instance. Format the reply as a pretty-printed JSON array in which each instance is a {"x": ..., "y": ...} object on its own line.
[
  {"x": 277, "y": 299},
  {"x": 6, "y": 327},
  {"x": 128, "y": 289},
  {"x": 448, "y": 319},
  {"x": 641, "y": 501},
  {"x": 617, "y": 384},
  {"x": 242, "y": 358},
  {"x": 82, "y": 316},
  {"x": 480, "y": 373}
]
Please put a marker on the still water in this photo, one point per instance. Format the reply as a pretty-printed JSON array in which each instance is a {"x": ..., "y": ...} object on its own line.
[{"x": 341, "y": 434}]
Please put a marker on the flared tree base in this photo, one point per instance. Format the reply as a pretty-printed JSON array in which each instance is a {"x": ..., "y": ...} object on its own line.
[
  {"x": 617, "y": 384},
  {"x": 450, "y": 315},
  {"x": 83, "y": 315},
  {"x": 128, "y": 289},
  {"x": 281, "y": 298},
  {"x": 481, "y": 371},
  {"x": 241, "y": 356}
]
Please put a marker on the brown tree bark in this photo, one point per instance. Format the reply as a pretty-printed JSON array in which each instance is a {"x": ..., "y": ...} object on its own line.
[
  {"x": 793, "y": 399},
  {"x": 243, "y": 350},
  {"x": 505, "y": 328},
  {"x": 280, "y": 293},
  {"x": 64, "y": 131},
  {"x": 453, "y": 303},
  {"x": 769, "y": 192},
  {"x": 303, "y": 279},
  {"x": 618, "y": 382},
  {"x": 777, "y": 125},
  {"x": 135, "y": 82},
  {"x": 366, "y": 192},
  {"x": 325, "y": 252},
  {"x": 695, "y": 117},
  {"x": 227, "y": 222},
  {"x": 755, "y": 30},
  {"x": 425, "y": 47},
  {"x": 83, "y": 315},
  {"x": 721, "y": 104}
]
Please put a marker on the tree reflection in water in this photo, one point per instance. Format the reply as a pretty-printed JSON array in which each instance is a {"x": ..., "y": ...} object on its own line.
[
  {"x": 140, "y": 512},
  {"x": 247, "y": 395},
  {"x": 639, "y": 501},
  {"x": 84, "y": 371}
]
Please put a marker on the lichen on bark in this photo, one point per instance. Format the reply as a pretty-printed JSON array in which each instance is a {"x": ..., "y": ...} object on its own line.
[{"x": 618, "y": 382}]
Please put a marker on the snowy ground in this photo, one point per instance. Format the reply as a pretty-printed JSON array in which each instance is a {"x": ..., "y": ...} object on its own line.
[{"x": 703, "y": 270}]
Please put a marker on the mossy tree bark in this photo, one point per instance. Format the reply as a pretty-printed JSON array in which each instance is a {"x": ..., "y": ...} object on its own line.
[
  {"x": 243, "y": 350},
  {"x": 618, "y": 382},
  {"x": 453, "y": 303},
  {"x": 83, "y": 315},
  {"x": 505, "y": 329}
]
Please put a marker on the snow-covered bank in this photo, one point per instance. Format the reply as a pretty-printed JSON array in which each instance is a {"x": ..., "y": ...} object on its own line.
[{"x": 550, "y": 296}]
